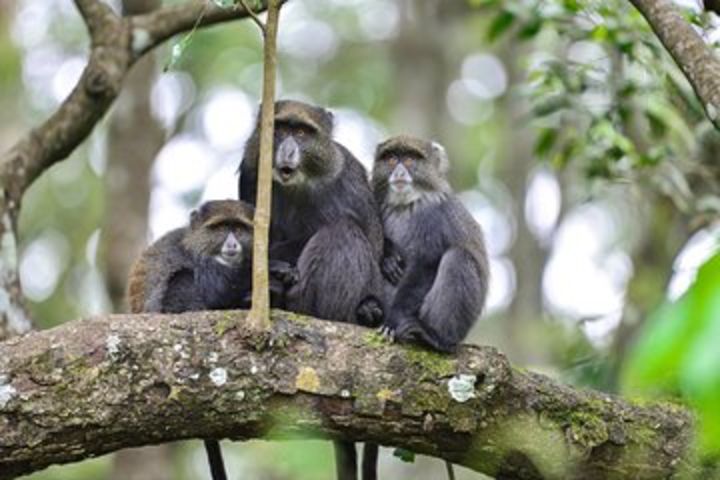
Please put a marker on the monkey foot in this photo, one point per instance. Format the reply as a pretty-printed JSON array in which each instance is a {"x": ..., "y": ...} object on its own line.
[
  {"x": 387, "y": 332},
  {"x": 369, "y": 313}
]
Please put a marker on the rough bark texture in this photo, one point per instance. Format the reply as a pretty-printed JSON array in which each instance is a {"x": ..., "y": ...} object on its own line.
[
  {"x": 116, "y": 44},
  {"x": 695, "y": 58},
  {"x": 95, "y": 386}
]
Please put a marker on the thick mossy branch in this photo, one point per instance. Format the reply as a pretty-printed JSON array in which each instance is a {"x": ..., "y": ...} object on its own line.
[{"x": 95, "y": 386}]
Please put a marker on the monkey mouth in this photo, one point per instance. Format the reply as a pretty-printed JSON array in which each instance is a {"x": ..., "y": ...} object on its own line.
[
  {"x": 401, "y": 185},
  {"x": 285, "y": 174}
]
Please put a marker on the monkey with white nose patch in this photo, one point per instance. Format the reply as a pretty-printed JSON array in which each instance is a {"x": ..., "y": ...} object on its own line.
[{"x": 435, "y": 259}]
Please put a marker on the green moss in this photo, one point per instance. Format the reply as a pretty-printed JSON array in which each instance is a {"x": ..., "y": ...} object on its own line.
[
  {"x": 227, "y": 322},
  {"x": 436, "y": 364},
  {"x": 374, "y": 339},
  {"x": 587, "y": 430},
  {"x": 291, "y": 317},
  {"x": 425, "y": 398}
]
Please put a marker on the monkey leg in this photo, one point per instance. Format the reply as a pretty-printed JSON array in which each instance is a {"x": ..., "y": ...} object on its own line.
[
  {"x": 402, "y": 321},
  {"x": 454, "y": 302},
  {"x": 337, "y": 271}
]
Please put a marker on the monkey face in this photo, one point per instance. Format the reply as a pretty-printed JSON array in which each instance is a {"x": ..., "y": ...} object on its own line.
[
  {"x": 231, "y": 251},
  {"x": 221, "y": 230},
  {"x": 303, "y": 144},
  {"x": 408, "y": 169}
]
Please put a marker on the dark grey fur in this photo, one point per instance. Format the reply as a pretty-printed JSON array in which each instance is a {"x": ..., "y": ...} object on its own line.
[
  {"x": 435, "y": 259},
  {"x": 327, "y": 224}
]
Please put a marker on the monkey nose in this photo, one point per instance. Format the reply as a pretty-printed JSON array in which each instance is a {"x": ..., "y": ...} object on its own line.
[
  {"x": 287, "y": 158},
  {"x": 400, "y": 175},
  {"x": 231, "y": 247}
]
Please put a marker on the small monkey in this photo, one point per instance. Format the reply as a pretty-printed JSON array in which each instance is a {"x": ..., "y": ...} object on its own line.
[
  {"x": 435, "y": 256},
  {"x": 205, "y": 266}
]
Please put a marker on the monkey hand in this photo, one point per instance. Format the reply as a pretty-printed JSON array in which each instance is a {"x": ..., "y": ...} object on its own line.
[
  {"x": 393, "y": 267},
  {"x": 369, "y": 312},
  {"x": 405, "y": 330},
  {"x": 284, "y": 272}
]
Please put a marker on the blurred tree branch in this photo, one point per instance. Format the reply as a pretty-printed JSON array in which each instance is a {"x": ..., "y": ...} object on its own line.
[
  {"x": 95, "y": 386},
  {"x": 696, "y": 59},
  {"x": 116, "y": 44}
]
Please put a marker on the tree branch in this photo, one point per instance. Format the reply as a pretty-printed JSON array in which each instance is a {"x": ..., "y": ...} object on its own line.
[
  {"x": 92, "y": 387},
  {"x": 695, "y": 58},
  {"x": 259, "y": 316}
]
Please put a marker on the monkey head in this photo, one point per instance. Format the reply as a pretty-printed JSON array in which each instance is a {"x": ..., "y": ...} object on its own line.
[
  {"x": 221, "y": 230},
  {"x": 304, "y": 151},
  {"x": 408, "y": 170}
]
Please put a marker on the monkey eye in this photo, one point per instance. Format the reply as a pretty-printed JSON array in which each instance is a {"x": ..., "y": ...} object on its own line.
[
  {"x": 299, "y": 132},
  {"x": 392, "y": 161},
  {"x": 408, "y": 162}
]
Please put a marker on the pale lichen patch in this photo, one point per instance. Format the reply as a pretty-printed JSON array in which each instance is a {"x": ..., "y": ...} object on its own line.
[
  {"x": 112, "y": 344},
  {"x": 218, "y": 376},
  {"x": 7, "y": 391},
  {"x": 462, "y": 387},
  {"x": 307, "y": 380},
  {"x": 141, "y": 40}
]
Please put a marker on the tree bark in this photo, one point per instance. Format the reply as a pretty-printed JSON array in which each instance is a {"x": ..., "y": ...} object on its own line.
[
  {"x": 697, "y": 60},
  {"x": 91, "y": 387}
]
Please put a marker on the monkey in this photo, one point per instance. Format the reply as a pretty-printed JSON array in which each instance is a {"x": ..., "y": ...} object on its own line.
[
  {"x": 434, "y": 261},
  {"x": 324, "y": 219},
  {"x": 325, "y": 222},
  {"x": 435, "y": 257},
  {"x": 204, "y": 266}
]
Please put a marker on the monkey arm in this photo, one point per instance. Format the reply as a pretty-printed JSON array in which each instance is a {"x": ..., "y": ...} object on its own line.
[
  {"x": 393, "y": 264},
  {"x": 402, "y": 318},
  {"x": 455, "y": 300}
]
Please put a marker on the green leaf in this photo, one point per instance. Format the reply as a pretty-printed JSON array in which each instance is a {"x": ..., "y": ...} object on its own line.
[
  {"x": 572, "y": 6},
  {"x": 678, "y": 352},
  {"x": 224, "y": 3},
  {"x": 404, "y": 455},
  {"x": 545, "y": 141},
  {"x": 530, "y": 29},
  {"x": 550, "y": 104},
  {"x": 500, "y": 24},
  {"x": 599, "y": 33}
]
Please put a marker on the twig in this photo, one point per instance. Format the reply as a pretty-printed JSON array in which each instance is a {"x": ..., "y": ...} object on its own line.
[
  {"x": 260, "y": 312},
  {"x": 254, "y": 16}
]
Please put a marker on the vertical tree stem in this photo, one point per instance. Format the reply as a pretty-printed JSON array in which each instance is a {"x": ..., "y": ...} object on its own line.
[{"x": 260, "y": 312}]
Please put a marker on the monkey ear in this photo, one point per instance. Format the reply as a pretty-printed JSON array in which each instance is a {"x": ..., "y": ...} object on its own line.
[
  {"x": 194, "y": 218},
  {"x": 439, "y": 152},
  {"x": 328, "y": 120}
]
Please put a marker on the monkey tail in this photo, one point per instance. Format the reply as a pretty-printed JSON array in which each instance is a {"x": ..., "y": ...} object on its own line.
[
  {"x": 215, "y": 459},
  {"x": 450, "y": 470}
]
